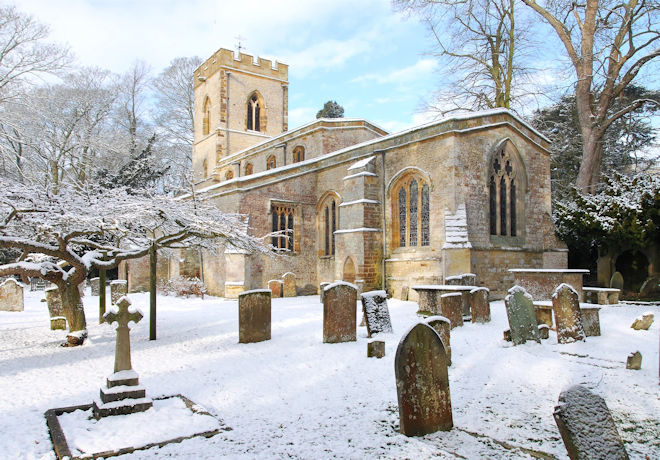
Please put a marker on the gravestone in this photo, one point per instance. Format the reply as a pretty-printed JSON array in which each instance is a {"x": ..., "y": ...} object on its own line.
[
  {"x": 544, "y": 331},
  {"x": 566, "y": 307},
  {"x": 454, "y": 280},
  {"x": 55, "y": 308},
  {"x": 643, "y": 323},
  {"x": 254, "y": 316},
  {"x": 634, "y": 361},
  {"x": 288, "y": 285},
  {"x": 118, "y": 289},
  {"x": 275, "y": 287},
  {"x": 479, "y": 305},
  {"x": 451, "y": 307},
  {"x": 322, "y": 289},
  {"x": 650, "y": 288},
  {"x": 422, "y": 382},
  {"x": 375, "y": 349},
  {"x": 94, "y": 284},
  {"x": 543, "y": 314},
  {"x": 521, "y": 315},
  {"x": 404, "y": 292},
  {"x": 616, "y": 281},
  {"x": 122, "y": 394},
  {"x": 442, "y": 326},
  {"x": 11, "y": 295},
  {"x": 591, "y": 321},
  {"x": 339, "y": 312},
  {"x": 376, "y": 313},
  {"x": 586, "y": 426},
  {"x": 506, "y": 335}
]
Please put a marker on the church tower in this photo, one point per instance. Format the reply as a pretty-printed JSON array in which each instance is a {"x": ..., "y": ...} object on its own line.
[{"x": 239, "y": 102}]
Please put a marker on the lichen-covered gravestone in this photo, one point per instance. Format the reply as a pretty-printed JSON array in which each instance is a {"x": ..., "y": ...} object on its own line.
[
  {"x": 586, "y": 426},
  {"x": 643, "y": 323},
  {"x": 55, "y": 308},
  {"x": 521, "y": 315},
  {"x": 289, "y": 284},
  {"x": 422, "y": 382},
  {"x": 616, "y": 281},
  {"x": 443, "y": 327},
  {"x": 479, "y": 305},
  {"x": 451, "y": 307},
  {"x": 11, "y": 295},
  {"x": 94, "y": 284},
  {"x": 566, "y": 306},
  {"x": 376, "y": 349},
  {"x": 339, "y": 312},
  {"x": 118, "y": 289},
  {"x": 591, "y": 321},
  {"x": 634, "y": 361},
  {"x": 254, "y": 316},
  {"x": 275, "y": 287},
  {"x": 374, "y": 307}
]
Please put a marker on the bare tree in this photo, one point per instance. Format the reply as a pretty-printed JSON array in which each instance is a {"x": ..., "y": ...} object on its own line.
[
  {"x": 608, "y": 43},
  {"x": 132, "y": 103},
  {"x": 481, "y": 44}
]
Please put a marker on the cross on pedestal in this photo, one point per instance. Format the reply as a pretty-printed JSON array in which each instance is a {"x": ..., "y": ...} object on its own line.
[{"x": 123, "y": 343}]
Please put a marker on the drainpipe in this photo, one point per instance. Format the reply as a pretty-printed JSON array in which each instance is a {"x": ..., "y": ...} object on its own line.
[
  {"x": 227, "y": 115},
  {"x": 382, "y": 217}
]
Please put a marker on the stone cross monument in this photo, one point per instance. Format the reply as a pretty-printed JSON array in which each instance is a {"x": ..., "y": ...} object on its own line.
[{"x": 132, "y": 397}]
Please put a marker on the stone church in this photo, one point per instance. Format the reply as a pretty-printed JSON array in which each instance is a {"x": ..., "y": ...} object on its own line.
[{"x": 465, "y": 194}]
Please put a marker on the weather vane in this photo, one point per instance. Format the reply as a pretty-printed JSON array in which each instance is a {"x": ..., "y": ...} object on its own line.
[{"x": 239, "y": 44}]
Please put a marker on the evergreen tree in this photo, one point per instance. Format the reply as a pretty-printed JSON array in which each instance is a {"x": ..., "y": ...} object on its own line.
[{"x": 331, "y": 110}]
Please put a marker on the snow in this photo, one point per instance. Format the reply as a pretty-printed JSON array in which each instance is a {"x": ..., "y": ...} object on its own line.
[
  {"x": 456, "y": 235},
  {"x": 361, "y": 164},
  {"x": 295, "y": 397}
]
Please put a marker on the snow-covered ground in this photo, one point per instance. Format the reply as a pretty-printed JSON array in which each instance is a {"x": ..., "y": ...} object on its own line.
[{"x": 295, "y": 397}]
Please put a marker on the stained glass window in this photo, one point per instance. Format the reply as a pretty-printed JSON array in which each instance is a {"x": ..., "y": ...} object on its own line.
[
  {"x": 426, "y": 230},
  {"x": 334, "y": 226},
  {"x": 413, "y": 213},
  {"x": 402, "y": 216}
]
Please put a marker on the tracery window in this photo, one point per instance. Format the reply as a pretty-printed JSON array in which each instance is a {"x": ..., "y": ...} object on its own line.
[
  {"x": 270, "y": 162},
  {"x": 249, "y": 169},
  {"x": 505, "y": 179},
  {"x": 253, "y": 113},
  {"x": 412, "y": 212},
  {"x": 298, "y": 153},
  {"x": 229, "y": 175},
  {"x": 206, "y": 117},
  {"x": 283, "y": 222},
  {"x": 328, "y": 209}
]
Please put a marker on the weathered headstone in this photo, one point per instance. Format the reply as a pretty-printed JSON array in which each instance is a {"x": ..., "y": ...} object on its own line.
[
  {"x": 454, "y": 280},
  {"x": 643, "y": 323},
  {"x": 451, "y": 307},
  {"x": 376, "y": 313},
  {"x": 275, "y": 287},
  {"x": 469, "y": 279},
  {"x": 254, "y": 316},
  {"x": 543, "y": 314},
  {"x": 55, "y": 308},
  {"x": 118, "y": 289},
  {"x": 586, "y": 426},
  {"x": 544, "y": 331},
  {"x": 404, "y": 292},
  {"x": 443, "y": 327},
  {"x": 591, "y": 321},
  {"x": 422, "y": 382},
  {"x": 566, "y": 306},
  {"x": 339, "y": 312},
  {"x": 521, "y": 315},
  {"x": 288, "y": 285},
  {"x": 375, "y": 349},
  {"x": 11, "y": 295},
  {"x": 322, "y": 289},
  {"x": 634, "y": 361},
  {"x": 122, "y": 394},
  {"x": 616, "y": 281},
  {"x": 650, "y": 288},
  {"x": 94, "y": 284},
  {"x": 479, "y": 305}
]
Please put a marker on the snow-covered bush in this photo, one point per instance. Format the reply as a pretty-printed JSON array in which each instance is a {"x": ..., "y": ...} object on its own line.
[{"x": 182, "y": 286}]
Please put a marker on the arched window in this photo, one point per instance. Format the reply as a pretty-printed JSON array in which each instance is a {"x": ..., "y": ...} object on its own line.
[
  {"x": 254, "y": 112},
  {"x": 412, "y": 212},
  {"x": 283, "y": 224},
  {"x": 298, "y": 153},
  {"x": 505, "y": 180},
  {"x": 229, "y": 175},
  {"x": 270, "y": 162},
  {"x": 206, "y": 117},
  {"x": 248, "y": 169},
  {"x": 328, "y": 223}
]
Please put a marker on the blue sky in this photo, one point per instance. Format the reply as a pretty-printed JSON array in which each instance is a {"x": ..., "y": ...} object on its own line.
[{"x": 358, "y": 52}]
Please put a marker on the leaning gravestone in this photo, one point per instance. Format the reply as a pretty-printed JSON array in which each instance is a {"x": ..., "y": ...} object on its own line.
[
  {"x": 566, "y": 307},
  {"x": 275, "y": 287},
  {"x": 451, "y": 306},
  {"x": 616, "y": 281},
  {"x": 586, "y": 426},
  {"x": 118, "y": 289},
  {"x": 634, "y": 361},
  {"x": 422, "y": 382},
  {"x": 521, "y": 315},
  {"x": 374, "y": 308},
  {"x": 11, "y": 295},
  {"x": 254, "y": 316},
  {"x": 94, "y": 284},
  {"x": 591, "y": 321},
  {"x": 376, "y": 349},
  {"x": 643, "y": 323},
  {"x": 289, "y": 285},
  {"x": 55, "y": 308},
  {"x": 443, "y": 327},
  {"x": 479, "y": 305},
  {"x": 339, "y": 312}
]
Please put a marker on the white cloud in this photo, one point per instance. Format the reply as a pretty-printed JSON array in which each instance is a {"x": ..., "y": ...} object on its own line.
[
  {"x": 415, "y": 72},
  {"x": 301, "y": 115}
]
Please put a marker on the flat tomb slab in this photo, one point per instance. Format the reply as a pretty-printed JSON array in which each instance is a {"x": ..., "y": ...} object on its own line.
[{"x": 76, "y": 434}]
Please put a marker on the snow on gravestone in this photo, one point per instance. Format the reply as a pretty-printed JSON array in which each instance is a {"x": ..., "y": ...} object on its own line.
[
  {"x": 566, "y": 307},
  {"x": 451, "y": 306},
  {"x": 586, "y": 426},
  {"x": 11, "y": 295},
  {"x": 422, "y": 382},
  {"x": 479, "y": 305},
  {"x": 339, "y": 312},
  {"x": 521, "y": 315},
  {"x": 254, "y": 316},
  {"x": 443, "y": 327},
  {"x": 374, "y": 307}
]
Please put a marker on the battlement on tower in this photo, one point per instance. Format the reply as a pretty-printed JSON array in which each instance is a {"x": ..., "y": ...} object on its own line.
[{"x": 227, "y": 59}]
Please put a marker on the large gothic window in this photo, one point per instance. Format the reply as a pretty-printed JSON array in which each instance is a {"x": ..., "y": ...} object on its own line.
[
  {"x": 412, "y": 212},
  {"x": 505, "y": 180},
  {"x": 206, "y": 117},
  {"x": 253, "y": 113},
  {"x": 282, "y": 224},
  {"x": 328, "y": 223}
]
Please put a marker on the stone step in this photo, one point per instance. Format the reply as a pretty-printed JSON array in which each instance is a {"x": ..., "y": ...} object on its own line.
[
  {"x": 123, "y": 407},
  {"x": 121, "y": 392},
  {"x": 123, "y": 378}
]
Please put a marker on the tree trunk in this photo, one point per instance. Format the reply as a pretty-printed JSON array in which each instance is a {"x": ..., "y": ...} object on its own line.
[
  {"x": 73, "y": 307},
  {"x": 592, "y": 157}
]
